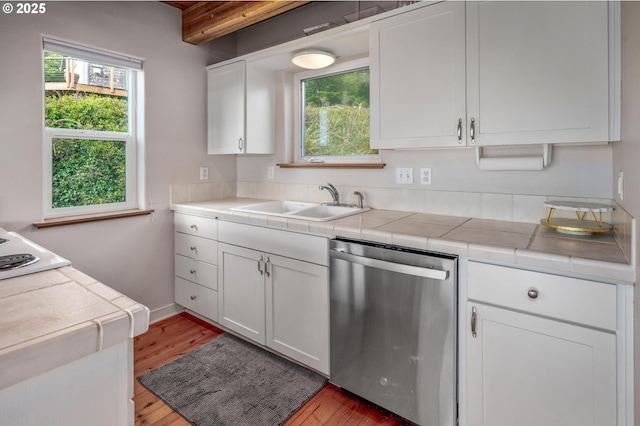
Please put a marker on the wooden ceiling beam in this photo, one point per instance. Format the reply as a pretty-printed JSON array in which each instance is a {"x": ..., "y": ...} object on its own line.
[{"x": 208, "y": 20}]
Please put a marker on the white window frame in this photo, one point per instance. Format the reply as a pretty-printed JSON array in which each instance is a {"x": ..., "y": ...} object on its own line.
[
  {"x": 132, "y": 138},
  {"x": 338, "y": 68}
]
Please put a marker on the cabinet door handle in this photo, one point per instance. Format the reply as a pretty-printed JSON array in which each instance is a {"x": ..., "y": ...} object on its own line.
[
  {"x": 473, "y": 322},
  {"x": 193, "y": 248},
  {"x": 266, "y": 268},
  {"x": 472, "y": 130},
  {"x": 240, "y": 144},
  {"x": 194, "y": 227},
  {"x": 260, "y": 265},
  {"x": 460, "y": 130},
  {"x": 193, "y": 297},
  {"x": 192, "y": 271},
  {"x": 533, "y": 294}
]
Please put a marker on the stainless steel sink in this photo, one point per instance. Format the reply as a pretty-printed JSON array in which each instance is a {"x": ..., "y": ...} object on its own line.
[{"x": 301, "y": 210}]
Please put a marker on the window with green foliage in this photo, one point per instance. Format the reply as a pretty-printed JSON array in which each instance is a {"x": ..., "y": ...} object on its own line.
[
  {"x": 335, "y": 114},
  {"x": 89, "y": 133}
]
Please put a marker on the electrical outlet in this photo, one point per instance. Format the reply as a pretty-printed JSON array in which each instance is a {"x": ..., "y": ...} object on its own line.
[
  {"x": 404, "y": 175},
  {"x": 204, "y": 173},
  {"x": 270, "y": 172},
  {"x": 425, "y": 176}
]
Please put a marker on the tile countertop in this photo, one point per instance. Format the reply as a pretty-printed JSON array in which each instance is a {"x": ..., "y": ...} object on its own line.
[
  {"x": 57, "y": 316},
  {"x": 530, "y": 245}
]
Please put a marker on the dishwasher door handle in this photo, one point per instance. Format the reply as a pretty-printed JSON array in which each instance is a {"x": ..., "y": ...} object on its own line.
[{"x": 436, "y": 274}]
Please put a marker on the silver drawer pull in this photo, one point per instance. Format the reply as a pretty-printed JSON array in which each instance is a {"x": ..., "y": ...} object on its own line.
[
  {"x": 472, "y": 130},
  {"x": 193, "y": 297},
  {"x": 193, "y": 248},
  {"x": 533, "y": 293},
  {"x": 192, "y": 271},
  {"x": 473, "y": 322},
  {"x": 194, "y": 227},
  {"x": 260, "y": 265}
]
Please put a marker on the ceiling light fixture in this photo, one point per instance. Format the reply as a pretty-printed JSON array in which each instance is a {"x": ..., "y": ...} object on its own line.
[{"x": 313, "y": 59}]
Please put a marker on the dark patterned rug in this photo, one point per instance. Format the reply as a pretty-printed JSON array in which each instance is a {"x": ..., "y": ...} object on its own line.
[{"x": 228, "y": 381}]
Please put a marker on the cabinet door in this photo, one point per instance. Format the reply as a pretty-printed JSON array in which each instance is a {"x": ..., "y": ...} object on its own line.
[
  {"x": 537, "y": 72},
  {"x": 241, "y": 291},
  {"x": 261, "y": 107},
  {"x": 418, "y": 78},
  {"x": 226, "y": 109},
  {"x": 297, "y": 311},
  {"x": 528, "y": 370}
]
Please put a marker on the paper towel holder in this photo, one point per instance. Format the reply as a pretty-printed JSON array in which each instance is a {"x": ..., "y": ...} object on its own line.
[{"x": 513, "y": 163}]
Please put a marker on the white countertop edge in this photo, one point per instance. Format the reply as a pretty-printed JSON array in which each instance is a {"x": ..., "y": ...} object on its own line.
[
  {"x": 43, "y": 353},
  {"x": 588, "y": 268},
  {"x": 36, "y": 356}
]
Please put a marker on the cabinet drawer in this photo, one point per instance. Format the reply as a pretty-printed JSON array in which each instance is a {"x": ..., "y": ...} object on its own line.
[
  {"x": 201, "y": 300},
  {"x": 196, "y": 225},
  {"x": 581, "y": 301},
  {"x": 197, "y": 271},
  {"x": 197, "y": 248},
  {"x": 308, "y": 248}
]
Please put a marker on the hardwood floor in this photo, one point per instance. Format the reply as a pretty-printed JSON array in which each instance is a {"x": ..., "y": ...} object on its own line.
[{"x": 180, "y": 334}]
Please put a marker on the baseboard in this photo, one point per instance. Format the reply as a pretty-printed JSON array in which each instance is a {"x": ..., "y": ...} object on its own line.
[{"x": 164, "y": 312}]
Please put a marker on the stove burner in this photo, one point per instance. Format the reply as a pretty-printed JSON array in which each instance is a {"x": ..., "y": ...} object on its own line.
[{"x": 14, "y": 261}]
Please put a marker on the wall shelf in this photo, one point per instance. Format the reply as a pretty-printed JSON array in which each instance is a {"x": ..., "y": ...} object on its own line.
[{"x": 331, "y": 165}]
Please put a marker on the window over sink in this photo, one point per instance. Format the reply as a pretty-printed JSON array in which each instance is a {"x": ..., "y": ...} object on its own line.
[
  {"x": 332, "y": 117},
  {"x": 90, "y": 130}
]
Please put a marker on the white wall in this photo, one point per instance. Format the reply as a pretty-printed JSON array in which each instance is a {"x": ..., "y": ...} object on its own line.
[
  {"x": 132, "y": 255},
  {"x": 626, "y": 154}
]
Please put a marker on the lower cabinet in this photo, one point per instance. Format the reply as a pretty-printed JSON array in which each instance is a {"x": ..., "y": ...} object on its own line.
[
  {"x": 276, "y": 301},
  {"x": 196, "y": 272},
  {"x": 526, "y": 367},
  {"x": 528, "y": 370}
]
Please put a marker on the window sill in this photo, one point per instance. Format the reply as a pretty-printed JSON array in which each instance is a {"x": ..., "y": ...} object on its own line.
[
  {"x": 70, "y": 220},
  {"x": 331, "y": 165}
]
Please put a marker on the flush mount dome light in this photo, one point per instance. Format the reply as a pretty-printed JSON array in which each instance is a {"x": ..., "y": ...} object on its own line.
[{"x": 313, "y": 59}]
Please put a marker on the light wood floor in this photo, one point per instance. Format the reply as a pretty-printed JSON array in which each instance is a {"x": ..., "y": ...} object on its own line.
[{"x": 175, "y": 336}]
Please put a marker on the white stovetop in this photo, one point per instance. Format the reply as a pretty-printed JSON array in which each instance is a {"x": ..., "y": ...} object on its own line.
[{"x": 17, "y": 244}]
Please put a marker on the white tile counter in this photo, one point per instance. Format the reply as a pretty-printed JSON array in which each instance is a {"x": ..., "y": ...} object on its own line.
[
  {"x": 597, "y": 256},
  {"x": 51, "y": 318}
]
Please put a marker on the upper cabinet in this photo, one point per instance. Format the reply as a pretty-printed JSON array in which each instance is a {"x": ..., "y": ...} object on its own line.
[
  {"x": 240, "y": 109},
  {"x": 536, "y": 72},
  {"x": 418, "y": 78}
]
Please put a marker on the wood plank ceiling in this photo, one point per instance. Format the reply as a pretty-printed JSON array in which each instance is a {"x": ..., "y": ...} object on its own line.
[{"x": 203, "y": 21}]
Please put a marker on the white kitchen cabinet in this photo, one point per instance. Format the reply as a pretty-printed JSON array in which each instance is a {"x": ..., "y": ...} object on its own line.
[
  {"x": 196, "y": 260},
  {"x": 272, "y": 292},
  {"x": 241, "y": 109},
  {"x": 538, "y": 72},
  {"x": 242, "y": 292},
  {"x": 493, "y": 73},
  {"x": 540, "y": 349},
  {"x": 418, "y": 95}
]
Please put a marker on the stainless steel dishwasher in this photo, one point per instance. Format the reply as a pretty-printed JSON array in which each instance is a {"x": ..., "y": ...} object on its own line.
[{"x": 393, "y": 328}]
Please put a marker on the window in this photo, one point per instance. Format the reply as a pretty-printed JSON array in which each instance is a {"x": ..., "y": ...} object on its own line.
[
  {"x": 334, "y": 113},
  {"x": 90, "y": 126}
]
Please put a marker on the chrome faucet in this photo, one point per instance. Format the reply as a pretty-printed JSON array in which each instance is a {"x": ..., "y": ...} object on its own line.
[
  {"x": 360, "y": 198},
  {"x": 333, "y": 191}
]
